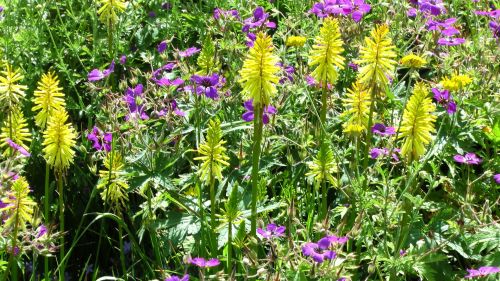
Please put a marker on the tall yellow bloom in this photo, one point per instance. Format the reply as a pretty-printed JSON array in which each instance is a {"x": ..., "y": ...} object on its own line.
[
  {"x": 213, "y": 153},
  {"x": 59, "y": 141},
  {"x": 413, "y": 61},
  {"x": 376, "y": 58},
  {"x": 323, "y": 166},
  {"x": 15, "y": 128},
  {"x": 418, "y": 123},
  {"x": 326, "y": 52},
  {"x": 108, "y": 13},
  {"x": 455, "y": 82},
  {"x": 11, "y": 93},
  {"x": 296, "y": 41},
  {"x": 357, "y": 104},
  {"x": 48, "y": 98},
  {"x": 18, "y": 205},
  {"x": 258, "y": 75},
  {"x": 113, "y": 182}
]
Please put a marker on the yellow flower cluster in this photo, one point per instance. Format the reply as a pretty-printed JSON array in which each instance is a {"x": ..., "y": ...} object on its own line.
[
  {"x": 455, "y": 82},
  {"x": 48, "y": 98},
  {"x": 296, "y": 41},
  {"x": 357, "y": 104},
  {"x": 413, "y": 61},
  {"x": 59, "y": 141}
]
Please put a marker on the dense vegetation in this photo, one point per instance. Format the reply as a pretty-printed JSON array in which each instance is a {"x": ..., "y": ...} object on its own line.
[{"x": 249, "y": 140}]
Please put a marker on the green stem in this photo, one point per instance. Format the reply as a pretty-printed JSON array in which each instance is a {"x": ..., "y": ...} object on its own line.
[
  {"x": 152, "y": 234},
  {"x": 61, "y": 222},
  {"x": 46, "y": 214},
  {"x": 230, "y": 248},
  {"x": 324, "y": 109},
  {"x": 257, "y": 139},
  {"x": 212, "y": 215},
  {"x": 122, "y": 255},
  {"x": 110, "y": 40},
  {"x": 369, "y": 133},
  {"x": 202, "y": 219}
]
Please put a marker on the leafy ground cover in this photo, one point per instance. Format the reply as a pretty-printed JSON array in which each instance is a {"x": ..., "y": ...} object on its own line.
[{"x": 250, "y": 140}]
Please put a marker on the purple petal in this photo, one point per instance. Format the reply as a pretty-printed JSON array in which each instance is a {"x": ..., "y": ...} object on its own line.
[
  {"x": 95, "y": 75},
  {"x": 248, "y": 116},
  {"x": 265, "y": 119},
  {"x": 459, "y": 158},
  {"x": 212, "y": 263}
]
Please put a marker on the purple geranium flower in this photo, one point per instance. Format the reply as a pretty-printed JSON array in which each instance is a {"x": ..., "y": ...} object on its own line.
[
  {"x": 355, "y": 8},
  {"x": 497, "y": 178},
  {"x": 377, "y": 152},
  {"x": 402, "y": 253},
  {"x": 17, "y": 147},
  {"x": 469, "y": 158},
  {"x": 96, "y": 74},
  {"x": 41, "y": 231},
  {"x": 201, "y": 262},
  {"x": 258, "y": 20},
  {"x": 100, "y": 140},
  {"x": 133, "y": 97},
  {"x": 381, "y": 130},
  {"x": 313, "y": 83},
  {"x": 482, "y": 271},
  {"x": 434, "y": 7},
  {"x": 123, "y": 59},
  {"x": 271, "y": 231},
  {"x": 172, "y": 107},
  {"x": 319, "y": 252},
  {"x": 412, "y": 12},
  {"x": 444, "y": 98},
  {"x": 162, "y": 47},
  {"x": 218, "y": 13},
  {"x": 359, "y": 8},
  {"x": 207, "y": 85},
  {"x": 495, "y": 28},
  {"x": 449, "y": 41},
  {"x": 189, "y": 52},
  {"x": 249, "y": 115},
  {"x": 288, "y": 72},
  {"x": 176, "y": 278}
]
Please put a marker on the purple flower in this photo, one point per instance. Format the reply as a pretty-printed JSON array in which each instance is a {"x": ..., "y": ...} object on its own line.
[
  {"x": 176, "y": 278},
  {"x": 152, "y": 14},
  {"x": 469, "y": 158},
  {"x": 377, "y": 152},
  {"x": 249, "y": 115},
  {"x": 355, "y": 8},
  {"x": 482, "y": 271},
  {"x": 336, "y": 239},
  {"x": 100, "y": 140},
  {"x": 448, "y": 41},
  {"x": 434, "y": 7},
  {"x": 412, "y": 12},
  {"x": 42, "y": 230},
  {"x": 495, "y": 28},
  {"x": 359, "y": 8},
  {"x": 162, "y": 47},
  {"x": 319, "y": 252},
  {"x": 17, "y": 147},
  {"x": 96, "y": 74},
  {"x": 444, "y": 99},
  {"x": 313, "y": 83},
  {"x": 218, "y": 13},
  {"x": 288, "y": 72},
  {"x": 381, "y": 130},
  {"x": 497, "y": 178},
  {"x": 258, "y": 20},
  {"x": 271, "y": 231},
  {"x": 188, "y": 52},
  {"x": 123, "y": 59},
  {"x": 133, "y": 97},
  {"x": 207, "y": 85},
  {"x": 201, "y": 262},
  {"x": 402, "y": 253},
  {"x": 172, "y": 107},
  {"x": 353, "y": 66}
]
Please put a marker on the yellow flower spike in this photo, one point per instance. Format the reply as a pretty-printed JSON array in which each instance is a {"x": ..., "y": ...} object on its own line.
[
  {"x": 18, "y": 205},
  {"x": 59, "y": 141},
  {"x": 455, "y": 82},
  {"x": 213, "y": 153},
  {"x": 108, "y": 13},
  {"x": 323, "y": 166},
  {"x": 296, "y": 41},
  {"x": 11, "y": 93},
  {"x": 15, "y": 128},
  {"x": 326, "y": 52},
  {"x": 376, "y": 58},
  {"x": 258, "y": 75},
  {"x": 114, "y": 187},
  {"x": 357, "y": 104},
  {"x": 413, "y": 61},
  {"x": 48, "y": 98},
  {"x": 418, "y": 123}
]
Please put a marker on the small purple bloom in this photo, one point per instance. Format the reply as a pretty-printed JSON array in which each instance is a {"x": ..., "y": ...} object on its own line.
[
  {"x": 201, "y": 262},
  {"x": 444, "y": 99},
  {"x": 412, "y": 12},
  {"x": 207, "y": 85},
  {"x": 162, "y": 47},
  {"x": 176, "y": 278},
  {"x": 17, "y": 147},
  {"x": 495, "y": 28},
  {"x": 188, "y": 52},
  {"x": 447, "y": 41},
  {"x": 402, "y": 253},
  {"x": 249, "y": 115},
  {"x": 469, "y": 158},
  {"x": 353, "y": 66},
  {"x": 259, "y": 19},
  {"x": 482, "y": 271},
  {"x": 271, "y": 231},
  {"x": 497, "y": 178},
  {"x": 377, "y": 152},
  {"x": 123, "y": 59},
  {"x": 172, "y": 107},
  {"x": 381, "y": 130},
  {"x": 318, "y": 251},
  {"x": 42, "y": 230},
  {"x": 96, "y": 74},
  {"x": 218, "y": 13},
  {"x": 134, "y": 99},
  {"x": 434, "y": 7},
  {"x": 100, "y": 140}
]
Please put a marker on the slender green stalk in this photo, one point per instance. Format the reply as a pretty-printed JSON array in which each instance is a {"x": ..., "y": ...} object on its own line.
[
  {"x": 152, "y": 234},
  {"x": 46, "y": 214},
  {"x": 202, "y": 219},
  {"x": 257, "y": 139},
  {"x": 122, "y": 255},
  {"x": 324, "y": 109},
  {"x": 12, "y": 264},
  {"x": 230, "y": 248},
  {"x": 369, "y": 133},
  {"x": 61, "y": 223},
  {"x": 212, "y": 214}
]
